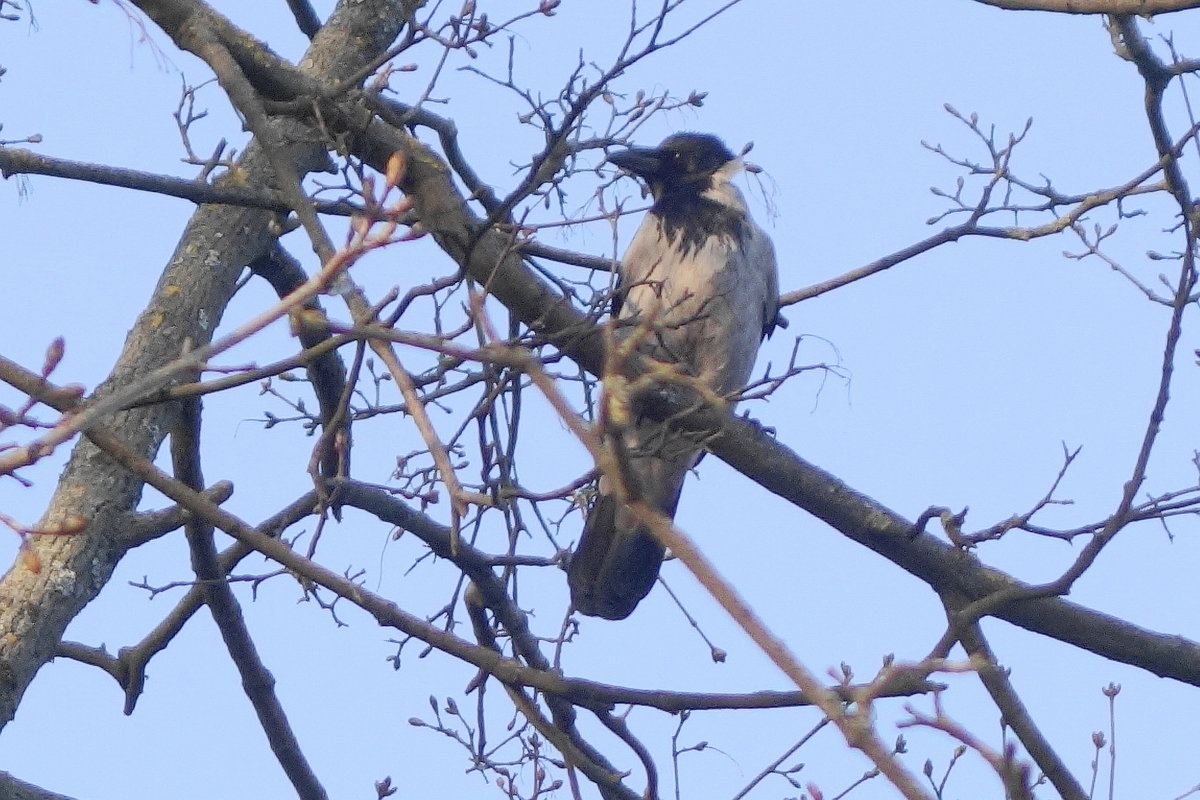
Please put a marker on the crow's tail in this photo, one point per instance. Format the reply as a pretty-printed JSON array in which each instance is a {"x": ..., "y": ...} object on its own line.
[{"x": 618, "y": 558}]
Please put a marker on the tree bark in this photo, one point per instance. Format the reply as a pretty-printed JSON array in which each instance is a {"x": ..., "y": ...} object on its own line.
[{"x": 184, "y": 310}]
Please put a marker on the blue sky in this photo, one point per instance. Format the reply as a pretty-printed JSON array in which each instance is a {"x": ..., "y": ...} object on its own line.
[{"x": 966, "y": 371}]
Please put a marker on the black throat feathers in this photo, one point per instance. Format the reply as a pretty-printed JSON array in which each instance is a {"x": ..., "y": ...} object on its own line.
[{"x": 689, "y": 220}]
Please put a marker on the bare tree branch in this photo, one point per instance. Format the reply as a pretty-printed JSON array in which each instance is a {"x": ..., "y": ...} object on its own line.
[
  {"x": 207, "y": 262},
  {"x": 13, "y": 789},
  {"x": 1146, "y": 8}
]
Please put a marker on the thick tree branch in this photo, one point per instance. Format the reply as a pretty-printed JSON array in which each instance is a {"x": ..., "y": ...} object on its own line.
[
  {"x": 37, "y": 606},
  {"x": 1145, "y": 8},
  {"x": 306, "y": 17},
  {"x": 14, "y": 789}
]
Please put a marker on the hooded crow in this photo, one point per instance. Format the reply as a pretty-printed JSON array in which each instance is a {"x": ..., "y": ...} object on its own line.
[{"x": 698, "y": 288}]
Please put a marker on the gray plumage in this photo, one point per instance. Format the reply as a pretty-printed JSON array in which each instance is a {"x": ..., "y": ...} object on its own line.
[{"x": 700, "y": 276}]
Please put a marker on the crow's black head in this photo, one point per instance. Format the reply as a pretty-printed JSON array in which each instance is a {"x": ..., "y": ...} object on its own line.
[
  {"x": 684, "y": 164},
  {"x": 688, "y": 175}
]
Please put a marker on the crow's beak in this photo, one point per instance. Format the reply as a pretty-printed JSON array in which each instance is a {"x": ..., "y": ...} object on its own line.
[{"x": 645, "y": 162}]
